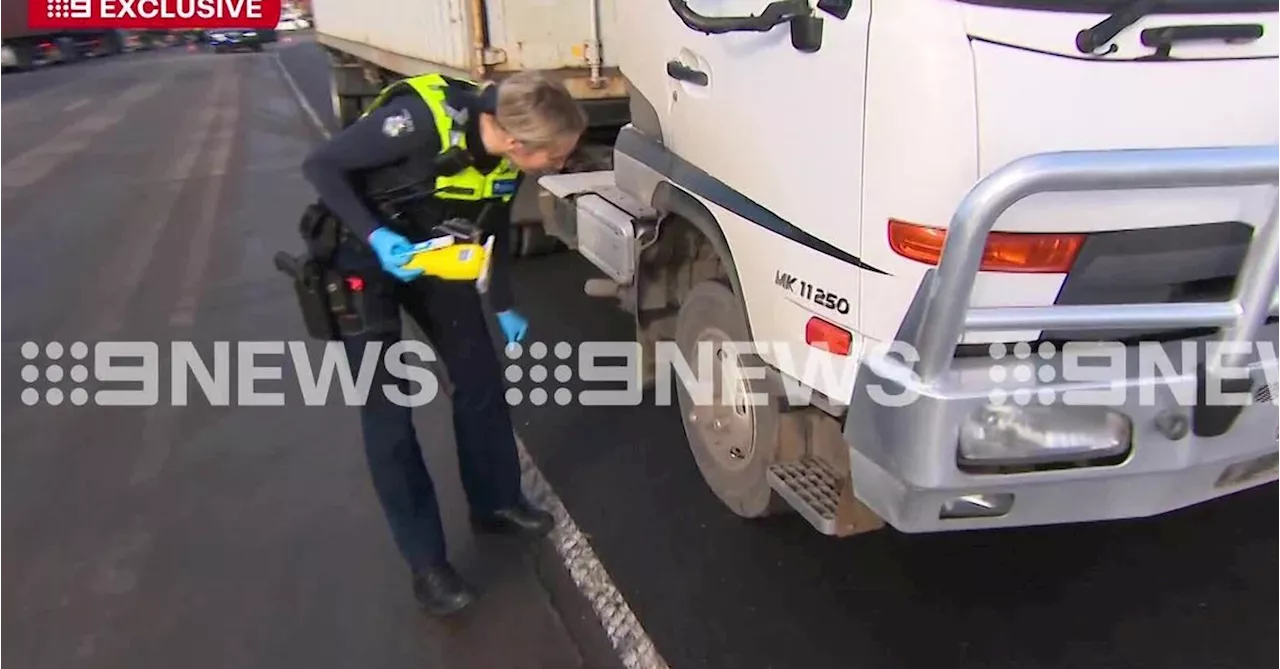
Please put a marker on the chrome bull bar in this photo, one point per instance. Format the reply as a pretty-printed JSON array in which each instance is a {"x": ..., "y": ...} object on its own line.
[
  {"x": 906, "y": 455},
  {"x": 945, "y": 314}
]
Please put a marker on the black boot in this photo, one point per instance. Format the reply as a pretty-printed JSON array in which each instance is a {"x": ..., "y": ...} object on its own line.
[
  {"x": 520, "y": 518},
  {"x": 441, "y": 591}
]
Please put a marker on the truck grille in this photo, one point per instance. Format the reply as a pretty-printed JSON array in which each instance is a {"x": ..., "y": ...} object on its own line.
[{"x": 1189, "y": 263}]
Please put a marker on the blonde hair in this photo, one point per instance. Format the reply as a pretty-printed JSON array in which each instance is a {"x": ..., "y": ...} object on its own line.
[{"x": 537, "y": 110}]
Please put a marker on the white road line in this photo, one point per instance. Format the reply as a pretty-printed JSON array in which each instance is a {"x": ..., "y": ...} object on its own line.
[
  {"x": 302, "y": 99},
  {"x": 76, "y": 105},
  {"x": 634, "y": 647},
  {"x": 630, "y": 641}
]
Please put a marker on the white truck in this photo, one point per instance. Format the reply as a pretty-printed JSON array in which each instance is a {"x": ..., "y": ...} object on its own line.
[
  {"x": 373, "y": 43},
  {"x": 923, "y": 197}
]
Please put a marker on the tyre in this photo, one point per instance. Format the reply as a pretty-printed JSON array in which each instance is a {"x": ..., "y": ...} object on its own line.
[
  {"x": 68, "y": 51},
  {"x": 347, "y": 109},
  {"x": 350, "y": 92},
  {"x": 733, "y": 442},
  {"x": 24, "y": 57},
  {"x": 113, "y": 43},
  {"x": 257, "y": 48},
  {"x": 528, "y": 239}
]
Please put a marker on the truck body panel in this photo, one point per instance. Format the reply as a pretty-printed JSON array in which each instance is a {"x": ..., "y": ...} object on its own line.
[
  {"x": 435, "y": 32},
  {"x": 699, "y": 123},
  {"x": 550, "y": 34},
  {"x": 478, "y": 38},
  {"x": 13, "y": 15}
]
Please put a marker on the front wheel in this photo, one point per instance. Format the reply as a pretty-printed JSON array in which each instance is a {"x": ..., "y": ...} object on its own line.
[{"x": 733, "y": 439}]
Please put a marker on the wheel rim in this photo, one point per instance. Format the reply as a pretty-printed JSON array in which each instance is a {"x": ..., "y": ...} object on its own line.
[{"x": 727, "y": 426}]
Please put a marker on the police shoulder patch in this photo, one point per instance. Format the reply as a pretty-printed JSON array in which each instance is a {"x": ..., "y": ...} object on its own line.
[{"x": 398, "y": 124}]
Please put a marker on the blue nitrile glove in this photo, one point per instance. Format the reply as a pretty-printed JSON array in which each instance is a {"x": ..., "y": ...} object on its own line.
[
  {"x": 513, "y": 325},
  {"x": 393, "y": 251}
]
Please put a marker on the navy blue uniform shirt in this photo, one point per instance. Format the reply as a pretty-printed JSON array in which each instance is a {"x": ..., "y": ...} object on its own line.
[{"x": 403, "y": 128}]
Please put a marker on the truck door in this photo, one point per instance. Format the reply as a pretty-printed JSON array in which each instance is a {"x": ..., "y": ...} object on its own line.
[{"x": 781, "y": 127}]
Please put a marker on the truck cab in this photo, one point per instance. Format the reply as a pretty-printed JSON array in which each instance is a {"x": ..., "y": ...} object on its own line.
[{"x": 997, "y": 262}]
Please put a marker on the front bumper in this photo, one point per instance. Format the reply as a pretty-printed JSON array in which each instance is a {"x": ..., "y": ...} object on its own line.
[{"x": 907, "y": 412}]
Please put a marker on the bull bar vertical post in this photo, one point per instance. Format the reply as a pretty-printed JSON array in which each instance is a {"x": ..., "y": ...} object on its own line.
[{"x": 946, "y": 314}]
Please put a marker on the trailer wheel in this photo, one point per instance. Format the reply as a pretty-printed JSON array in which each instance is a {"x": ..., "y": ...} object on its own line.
[
  {"x": 24, "y": 56},
  {"x": 350, "y": 92},
  {"x": 347, "y": 109},
  {"x": 114, "y": 42},
  {"x": 733, "y": 440},
  {"x": 68, "y": 51}
]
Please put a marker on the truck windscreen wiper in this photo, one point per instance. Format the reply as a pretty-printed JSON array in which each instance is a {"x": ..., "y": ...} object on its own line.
[{"x": 1089, "y": 39}]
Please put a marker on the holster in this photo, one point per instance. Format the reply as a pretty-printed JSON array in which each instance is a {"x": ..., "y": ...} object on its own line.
[
  {"x": 321, "y": 231},
  {"x": 311, "y": 287},
  {"x": 332, "y": 303}
]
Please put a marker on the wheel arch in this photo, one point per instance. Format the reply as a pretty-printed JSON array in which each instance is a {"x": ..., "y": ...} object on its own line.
[{"x": 673, "y": 201}]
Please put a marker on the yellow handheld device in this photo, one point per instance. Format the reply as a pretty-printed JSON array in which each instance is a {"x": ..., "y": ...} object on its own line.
[{"x": 452, "y": 260}]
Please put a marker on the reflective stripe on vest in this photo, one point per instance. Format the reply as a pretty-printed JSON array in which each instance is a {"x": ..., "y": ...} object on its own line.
[{"x": 470, "y": 183}]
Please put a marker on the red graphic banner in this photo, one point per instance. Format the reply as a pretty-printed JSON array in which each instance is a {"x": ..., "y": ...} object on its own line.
[{"x": 151, "y": 14}]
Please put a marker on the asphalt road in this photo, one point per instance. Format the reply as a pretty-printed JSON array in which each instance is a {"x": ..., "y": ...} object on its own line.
[
  {"x": 1193, "y": 589},
  {"x": 144, "y": 197}
]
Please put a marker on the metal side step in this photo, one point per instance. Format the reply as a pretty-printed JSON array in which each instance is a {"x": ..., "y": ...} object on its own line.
[{"x": 811, "y": 488}]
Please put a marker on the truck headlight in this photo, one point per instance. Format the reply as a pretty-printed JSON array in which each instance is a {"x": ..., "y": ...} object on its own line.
[{"x": 1013, "y": 435}]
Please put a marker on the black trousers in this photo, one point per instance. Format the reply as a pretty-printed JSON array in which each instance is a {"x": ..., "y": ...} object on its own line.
[{"x": 451, "y": 315}]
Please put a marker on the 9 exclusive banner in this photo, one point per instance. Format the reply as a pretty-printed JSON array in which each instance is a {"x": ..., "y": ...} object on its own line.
[{"x": 151, "y": 14}]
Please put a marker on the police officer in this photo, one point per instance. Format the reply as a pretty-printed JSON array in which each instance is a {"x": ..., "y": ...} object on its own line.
[{"x": 466, "y": 146}]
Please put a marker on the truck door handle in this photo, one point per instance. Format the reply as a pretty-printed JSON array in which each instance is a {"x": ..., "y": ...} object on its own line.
[{"x": 681, "y": 72}]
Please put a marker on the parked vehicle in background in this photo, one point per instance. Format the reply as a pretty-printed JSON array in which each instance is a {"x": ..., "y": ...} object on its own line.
[
  {"x": 291, "y": 23},
  {"x": 22, "y": 48},
  {"x": 8, "y": 60},
  {"x": 376, "y": 42},
  {"x": 226, "y": 40},
  {"x": 131, "y": 40},
  {"x": 301, "y": 9}
]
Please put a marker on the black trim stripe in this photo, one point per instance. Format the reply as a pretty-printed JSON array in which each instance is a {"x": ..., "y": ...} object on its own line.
[
  {"x": 687, "y": 175},
  {"x": 1145, "y": 58}
]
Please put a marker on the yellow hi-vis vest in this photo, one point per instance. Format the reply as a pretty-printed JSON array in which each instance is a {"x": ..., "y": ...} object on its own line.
[{"x": 470, "y": 184}]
